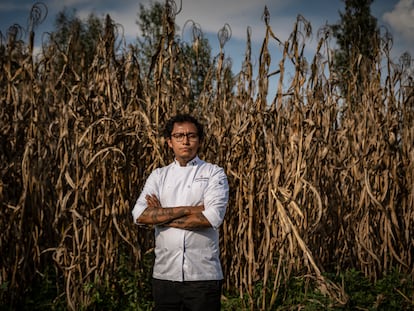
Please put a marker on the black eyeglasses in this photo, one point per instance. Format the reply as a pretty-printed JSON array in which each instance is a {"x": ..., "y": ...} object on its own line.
[{"x": 180, "y": 136}]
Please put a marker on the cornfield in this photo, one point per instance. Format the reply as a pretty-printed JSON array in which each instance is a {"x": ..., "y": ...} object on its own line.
[{"x": 316, "y": 184}]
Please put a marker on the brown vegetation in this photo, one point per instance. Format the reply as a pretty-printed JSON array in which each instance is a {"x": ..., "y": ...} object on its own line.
[{"x": 315, "y": 183}]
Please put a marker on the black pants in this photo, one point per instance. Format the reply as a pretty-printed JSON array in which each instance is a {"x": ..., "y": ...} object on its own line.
[{"x": 186, "y": 296}]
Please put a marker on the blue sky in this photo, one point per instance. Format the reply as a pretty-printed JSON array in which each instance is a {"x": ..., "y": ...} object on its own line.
[{"x": 211, "y": 15}]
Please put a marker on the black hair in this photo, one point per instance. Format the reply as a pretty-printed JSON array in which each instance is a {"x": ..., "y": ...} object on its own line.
[{"x": 180, "y": 118}]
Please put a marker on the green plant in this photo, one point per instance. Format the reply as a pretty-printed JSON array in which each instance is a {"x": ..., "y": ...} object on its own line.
[
  {"x": 43, "y": 292},
  {"x": 130, "y": 289},
  {"x": 395, "y": 291},
  {"x": 359, "y": 288}
]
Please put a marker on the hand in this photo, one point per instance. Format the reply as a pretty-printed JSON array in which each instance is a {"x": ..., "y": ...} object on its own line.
[{"x": 152, "y": 201}]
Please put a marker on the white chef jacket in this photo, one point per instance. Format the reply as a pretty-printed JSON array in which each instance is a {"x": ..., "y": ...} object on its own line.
[{"x": 187, "y": 255}]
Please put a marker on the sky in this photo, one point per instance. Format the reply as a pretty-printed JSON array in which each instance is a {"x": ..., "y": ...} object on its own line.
[{"x": 211, "y": 15}]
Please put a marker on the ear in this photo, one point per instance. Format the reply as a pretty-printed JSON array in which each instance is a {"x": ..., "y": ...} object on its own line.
[{"x": 169, "y": 142}]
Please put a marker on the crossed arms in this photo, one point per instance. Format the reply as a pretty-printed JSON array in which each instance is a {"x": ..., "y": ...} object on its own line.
[{"x": 184, "y": 217}]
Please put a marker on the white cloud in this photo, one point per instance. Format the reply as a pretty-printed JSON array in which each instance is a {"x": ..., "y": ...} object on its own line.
[
  {"x": 211, "y": 15},
  {"x": 125, "y": 14},
  {"x": 401, "y": 19},
  {"x": 128, "y": 21}
]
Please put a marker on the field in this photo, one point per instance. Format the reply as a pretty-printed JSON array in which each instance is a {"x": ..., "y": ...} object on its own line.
[{"x": 321, "y": 211}]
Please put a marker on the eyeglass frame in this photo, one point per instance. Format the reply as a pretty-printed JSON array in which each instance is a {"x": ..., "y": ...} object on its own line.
[{"x": 179, "y": 137}]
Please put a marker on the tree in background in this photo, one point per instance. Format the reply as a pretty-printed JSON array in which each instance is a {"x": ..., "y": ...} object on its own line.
[
  {"x": 80, "y": 37},
  {"x": 150, "y": 23},
  {"x": 196, "y": 55},
  {"x": 76, "y": 36},
  {"x": 357, "y": 37}
]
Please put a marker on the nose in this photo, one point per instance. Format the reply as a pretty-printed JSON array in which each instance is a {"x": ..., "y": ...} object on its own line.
[{"x": 186, "y": 140}]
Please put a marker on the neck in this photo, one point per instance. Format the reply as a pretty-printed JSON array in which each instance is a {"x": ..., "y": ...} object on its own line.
[{"x": 184, "y": 162}]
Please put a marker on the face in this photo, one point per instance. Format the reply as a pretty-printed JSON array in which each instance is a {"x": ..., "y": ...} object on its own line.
[{"x": 186, "y": 149}]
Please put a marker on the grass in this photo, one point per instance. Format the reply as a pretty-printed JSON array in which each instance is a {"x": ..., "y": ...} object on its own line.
[{"x": 131, "y": 291}]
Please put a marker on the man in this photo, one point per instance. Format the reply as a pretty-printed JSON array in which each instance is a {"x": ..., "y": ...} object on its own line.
[{"x": 186, "y": 201}]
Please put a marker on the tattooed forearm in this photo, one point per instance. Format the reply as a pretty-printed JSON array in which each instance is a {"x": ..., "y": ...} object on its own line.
[
  {"x": 192, "y": 221},
  {"x": 161, "y": 215},
  {"x": 155, "y": 214}
]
